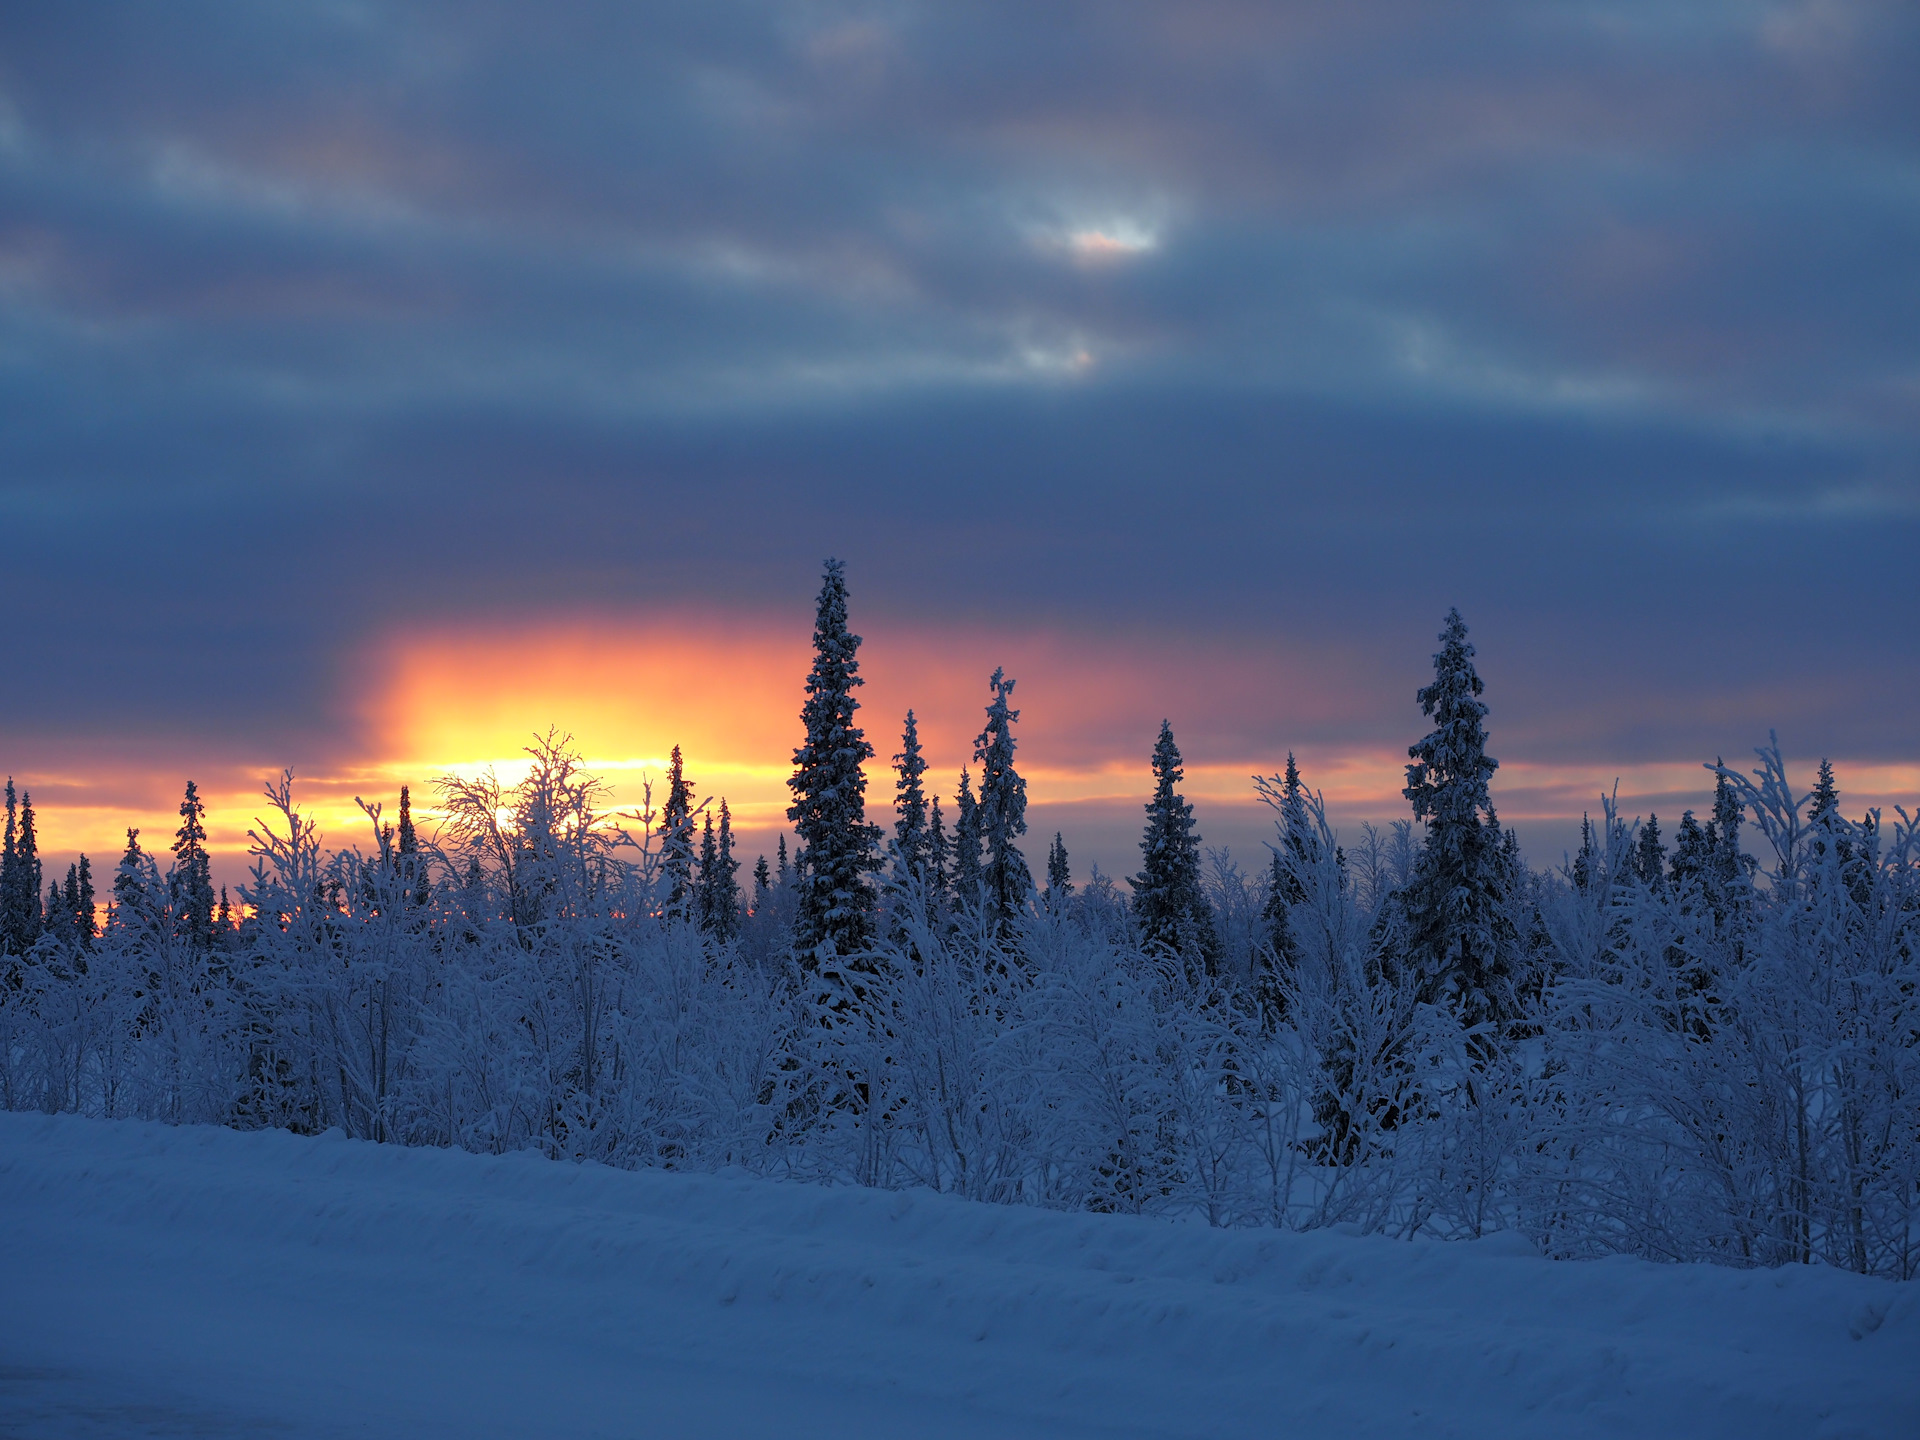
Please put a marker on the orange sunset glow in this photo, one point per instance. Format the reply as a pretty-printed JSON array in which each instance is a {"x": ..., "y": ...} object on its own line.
[{"x": 457, "y": 700}]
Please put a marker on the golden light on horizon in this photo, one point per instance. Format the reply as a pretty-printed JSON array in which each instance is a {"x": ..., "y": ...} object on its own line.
[{"x": 460, "y": 699}]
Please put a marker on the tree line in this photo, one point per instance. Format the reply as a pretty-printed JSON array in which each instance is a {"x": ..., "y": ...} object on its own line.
[{"x": 1682, "y": 1053}]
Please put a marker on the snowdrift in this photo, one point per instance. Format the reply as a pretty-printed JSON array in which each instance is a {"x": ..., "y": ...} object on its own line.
[{"x": 161, "y": 1281}]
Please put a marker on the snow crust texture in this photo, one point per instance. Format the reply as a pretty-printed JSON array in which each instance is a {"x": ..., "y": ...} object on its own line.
[{"x": 201, "y": 1281}]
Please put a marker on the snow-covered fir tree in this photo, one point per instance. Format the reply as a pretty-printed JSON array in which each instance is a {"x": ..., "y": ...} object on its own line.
[
  {"x": 1723, "y": 831},
  {"x": 912, "y": 836},
  {"x": 829, "y": 784},
  {"x": 762, "y": 884},
  {"x": 1295, "y": 850},
  {"x": 1168, "y": 902},
  {"x": 939, "y": 853},
  {"x": 133, "y": 896},
  {"x": 1586, "y": 859},
  {"x": 1692, "y": 858},
  {"x": 1456, "y": 932},
  {"x": 77, "y": 901},
  {"x": 719, "y": 885},
  {"x": 190, "y": 882},
  {"x": 677, "y": 858},
  {"x": 967, "y": 868},
  {"x": 703, "y": 897},
  {"x": 1825, "y": 825},
  {"x": 1650, "y": 856},
  {"x": 1824, "y": 803},
  {"x": 20, "y": 922},
  {"x": 1002, "y": 807},
  {"x": 1059, "y": 871},
  {"x": 410, "y": 864}
]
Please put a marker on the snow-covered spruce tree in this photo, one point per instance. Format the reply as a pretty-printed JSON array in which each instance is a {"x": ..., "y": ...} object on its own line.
[
  {"x": 1826, "y": 827},
  {"x": 409, "y": 863},
  {"x": 727, "y": 882},
  {"x": 9, "y": 869},
  {"x": 1582, "y": 874},
  {"x": 912, "y": 838},
  {"x": 719, "y": 905},
  {"x": 1278, "y": 954},
  {"x": 836, "y": 900},
  {"x": 190, "y": 882},
  {"x": 1059, "y": 872},
  {"x": 1168, "y": 902},
  {"x": 1824, "y": 803},
  {"x": 1002, "y": 808},
  {"x": 967, "y": 869},
  {"x": 1454, "y": 929},
  {"x": 1650, "y": 856},
  {"x": 703, "y": 897},
  {"x": 1300, "y": 846},
  {"x": 1296, "y": 852},
  {"x": 77, "y": 902},
  {"x": 1723, "y": 831},
  {"x": 19, "y": 877},
  {"x": 676, "y": 840},
  {"x": 1691, "y": 857},
  {"x": 133, "y": 897},
  {"x": 939, "y": 855}
]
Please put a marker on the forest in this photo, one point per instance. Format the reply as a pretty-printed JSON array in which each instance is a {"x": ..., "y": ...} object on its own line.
[{"x": 1708, "y": 1051}]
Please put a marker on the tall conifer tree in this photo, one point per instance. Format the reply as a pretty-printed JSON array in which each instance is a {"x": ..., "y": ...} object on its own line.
[
  {"x": 1059, "y": 872},
  {"x": 10, "y": 871},
  {"x": 1650, "y": 856},
  {"x": 84, "y": 909},
  {"x": 939, "y": 853},
  {"x": 1825, "y": 797},
  {"x": 1167, "y": 899},
  {"x": 1584, "y": 862},
  {"x": 132, "y": 903},
  {"x": 70, "y": 904},
  {"x": 1279, "y": 952},
  {"x": 1002, "y": 807},
  {"x": 1692, "y": 855},
  {"x": 912, "y": 839},
  {"x": 190, "y": 885},
  {"x": 412, "y": 865},
  {"x": 19, "y": 877},
  {"x": 967, "y": 868},
  {"x": 1297, "y": 852},
  {"x": 706, "y": 893},
  {"x": 1730, "y": 867},
  {"x": 724, "y": 906},
  {"x": 1299, "y": 842},
  {"x": 27, "y": 919},
  {"x": 829, "y": 785},
  {"x": 1458, "y": 933},
  {"x": 676, "y": 840}
]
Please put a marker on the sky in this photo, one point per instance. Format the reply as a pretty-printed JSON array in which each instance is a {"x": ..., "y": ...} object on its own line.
[{"x": 383, "y": 383}]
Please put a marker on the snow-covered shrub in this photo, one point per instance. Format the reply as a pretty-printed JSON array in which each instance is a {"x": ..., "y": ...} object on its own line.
[{"x": 1718, "y": 1066}]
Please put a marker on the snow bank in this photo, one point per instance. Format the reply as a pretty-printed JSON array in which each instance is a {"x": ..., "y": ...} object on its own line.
[{"x": 217, "y": 1282}]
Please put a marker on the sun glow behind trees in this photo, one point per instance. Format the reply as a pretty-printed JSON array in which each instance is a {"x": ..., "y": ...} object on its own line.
[{"x": 432, "y": 700}]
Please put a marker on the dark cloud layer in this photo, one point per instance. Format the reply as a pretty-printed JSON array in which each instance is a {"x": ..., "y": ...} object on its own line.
[{"x": 1277, "y": 327}]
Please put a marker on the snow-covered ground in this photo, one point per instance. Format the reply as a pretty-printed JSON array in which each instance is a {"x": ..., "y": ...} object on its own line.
[{"x": 196, "y": 1281}]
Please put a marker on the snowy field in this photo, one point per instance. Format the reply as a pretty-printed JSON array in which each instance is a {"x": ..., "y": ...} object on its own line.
[{"x": 203, "y": 1282}]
